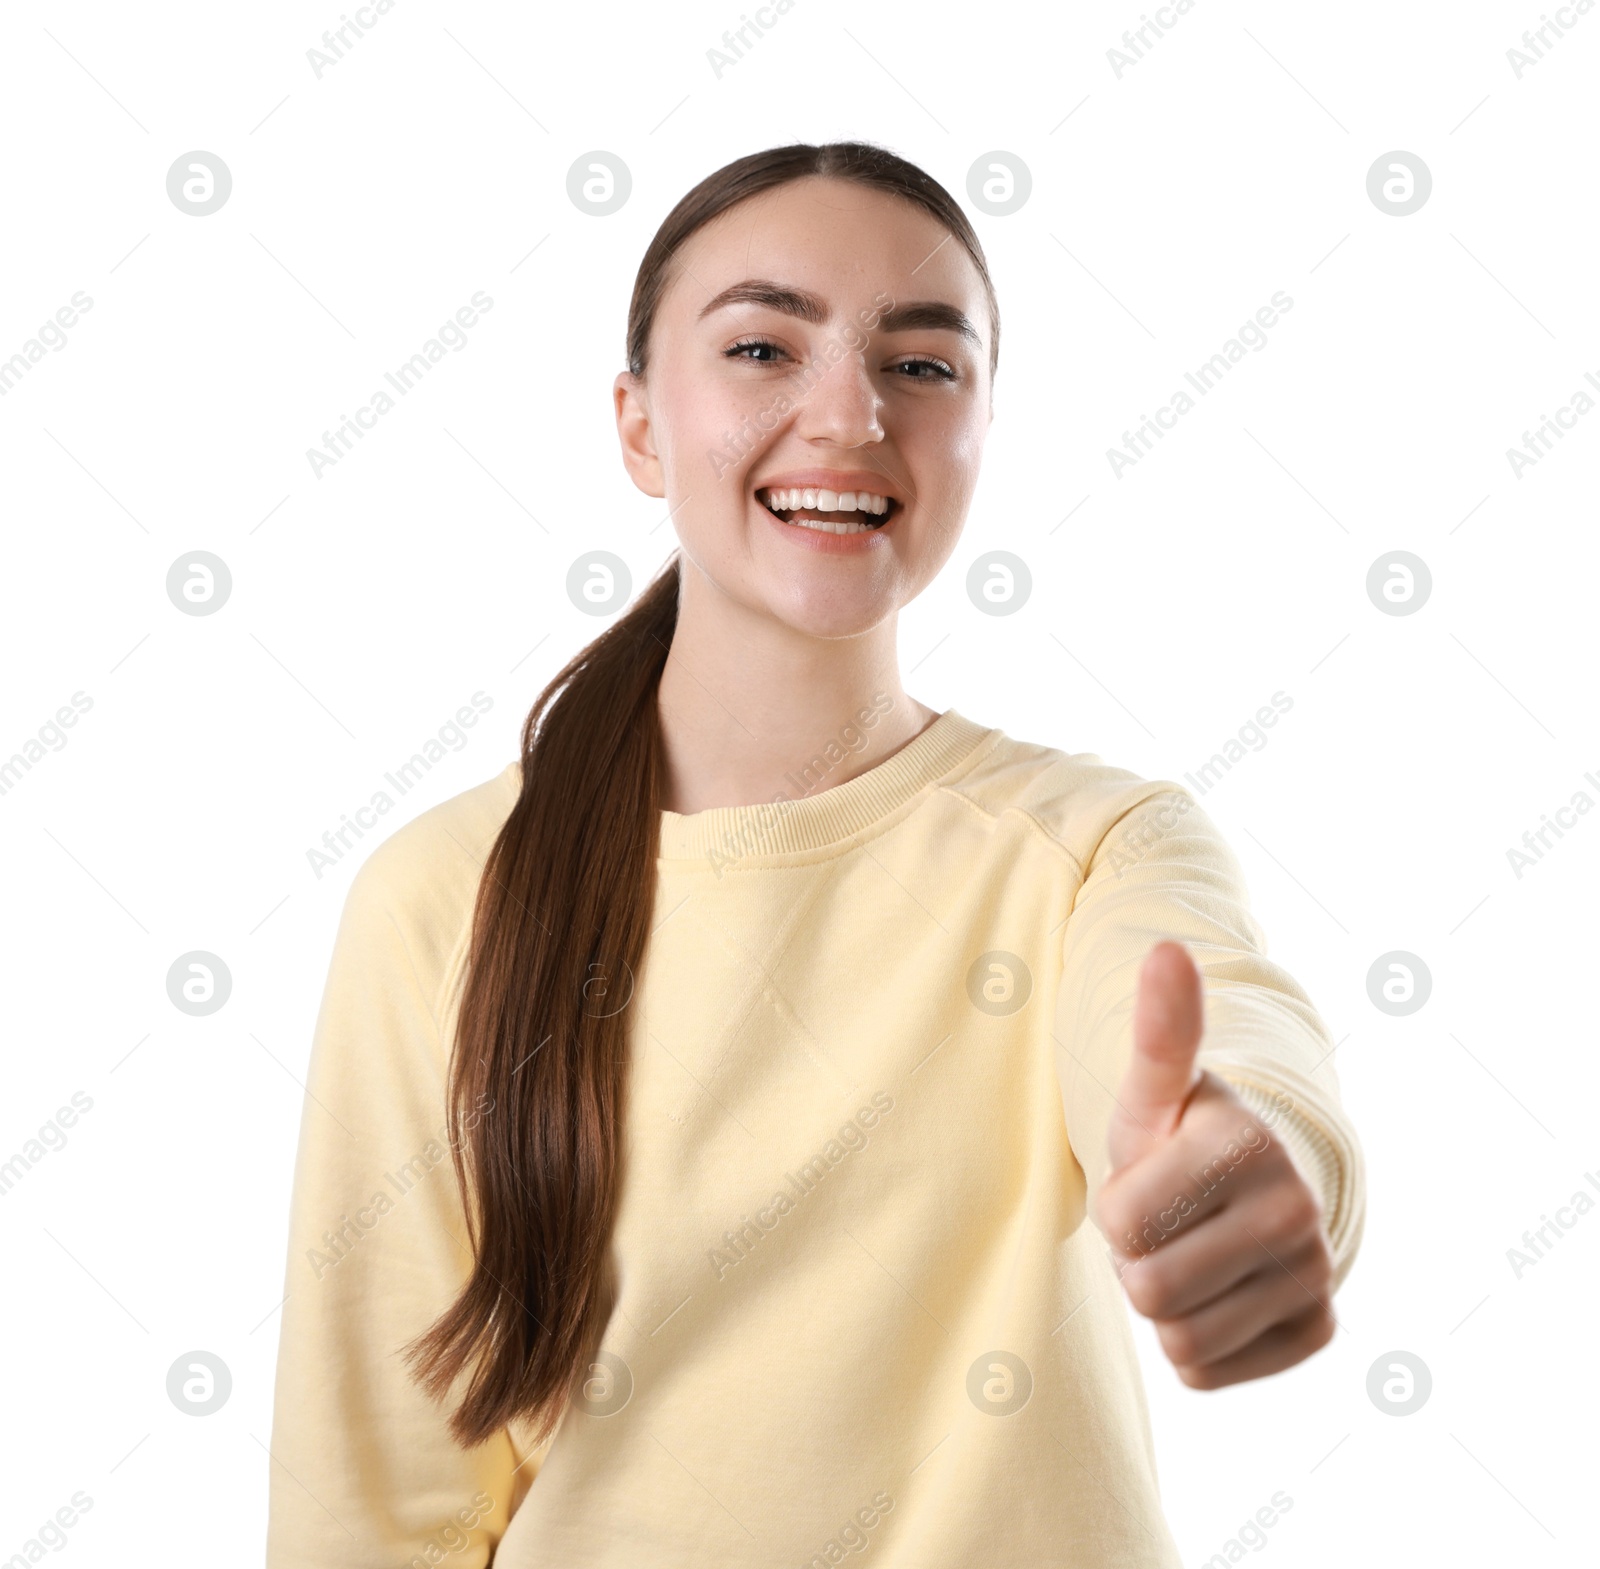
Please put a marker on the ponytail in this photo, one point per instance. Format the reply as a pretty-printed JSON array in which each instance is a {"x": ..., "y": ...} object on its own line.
[{"x": 540, "y": 1065}]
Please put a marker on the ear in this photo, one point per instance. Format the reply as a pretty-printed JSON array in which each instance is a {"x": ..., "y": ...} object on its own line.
[{"x": 636, "y": 435}]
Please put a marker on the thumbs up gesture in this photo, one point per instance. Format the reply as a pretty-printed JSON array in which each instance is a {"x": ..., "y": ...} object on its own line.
[{"x": 1218, "y": 1238}]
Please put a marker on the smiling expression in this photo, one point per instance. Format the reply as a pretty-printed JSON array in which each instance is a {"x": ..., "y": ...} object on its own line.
[{"x": 825, "y": 347}]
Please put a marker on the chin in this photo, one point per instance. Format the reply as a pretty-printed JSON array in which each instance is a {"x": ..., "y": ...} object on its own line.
[{"x": 830, "y": 610}]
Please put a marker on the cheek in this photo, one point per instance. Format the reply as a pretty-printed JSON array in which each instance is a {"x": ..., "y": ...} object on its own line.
[
  {"x": 946, "y": 439},
  {"x": 961, "y": 442},
  {"x": 717, "y": 432},
  {"x": 698, "y": 421},
  {"x": 946, "y": 458}
]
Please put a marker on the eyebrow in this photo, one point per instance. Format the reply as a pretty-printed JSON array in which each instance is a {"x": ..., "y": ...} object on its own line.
[{"x": 934, "y": 314}]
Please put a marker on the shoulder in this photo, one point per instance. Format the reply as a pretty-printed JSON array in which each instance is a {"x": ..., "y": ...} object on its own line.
[
  {"x": 422, "y": 881},
  {"x": 1076, "y": 799}
]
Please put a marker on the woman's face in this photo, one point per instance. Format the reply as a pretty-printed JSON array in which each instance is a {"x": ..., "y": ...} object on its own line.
[{"x": 826, "y": 337}]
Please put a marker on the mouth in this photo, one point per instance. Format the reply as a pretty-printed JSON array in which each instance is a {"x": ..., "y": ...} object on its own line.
[{"x": 828, "y": 511}]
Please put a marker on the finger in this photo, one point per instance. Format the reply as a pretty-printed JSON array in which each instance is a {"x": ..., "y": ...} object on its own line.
[
  {"x": 1189, "y": 1271},
  {"x": 1243, "y": 1313},
  {"x": 1168, "y": 1017},
  {"x": 1218, "y": 1154},
  {"x": 1280, "y": 1347},
  {"x": 1154, "y": 1200}
]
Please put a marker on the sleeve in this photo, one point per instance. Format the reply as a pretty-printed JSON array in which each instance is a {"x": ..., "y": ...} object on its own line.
[
  {"x": 1161, "y": 869},
  {"x": 363, "y": 1471}
]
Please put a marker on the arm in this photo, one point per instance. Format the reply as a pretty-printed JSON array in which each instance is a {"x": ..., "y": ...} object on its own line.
[
  {"x": 363, "y": 1472},
  {"x": 1263, "y": 1049}
]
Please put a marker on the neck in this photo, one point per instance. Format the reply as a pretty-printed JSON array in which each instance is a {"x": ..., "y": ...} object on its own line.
[{"x": 754, "y": 711}]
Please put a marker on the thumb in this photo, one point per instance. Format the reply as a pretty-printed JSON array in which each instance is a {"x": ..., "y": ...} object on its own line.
[{"x": 1168, "y": 1020}]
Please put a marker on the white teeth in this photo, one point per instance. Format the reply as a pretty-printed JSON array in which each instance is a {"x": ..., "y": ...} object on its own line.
[
  {"x": 823, "y": 526},
  {"x": 790, "y": 500}
]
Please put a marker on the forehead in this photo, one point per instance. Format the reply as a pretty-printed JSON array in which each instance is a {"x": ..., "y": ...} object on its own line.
[{"x": 835, "y": 238}]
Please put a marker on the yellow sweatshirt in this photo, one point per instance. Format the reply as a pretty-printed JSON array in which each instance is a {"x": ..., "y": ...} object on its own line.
[{"x": 862, "y": 1309}]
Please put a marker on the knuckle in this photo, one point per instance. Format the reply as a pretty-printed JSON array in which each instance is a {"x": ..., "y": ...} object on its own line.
[
  {"x": 1148, "y": 1289},
  {"x": 1319, "y": 1269},
  {"x": 1107, "y": 1206},
  {"x": 1179, "y": 1340},
  {"x": 1109, "y": 1215},
  {"x": 1293, "y": 1210},
  {"x": 1120, "y": 1221}
]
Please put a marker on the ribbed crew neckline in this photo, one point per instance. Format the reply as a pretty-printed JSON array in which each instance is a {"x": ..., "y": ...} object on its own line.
[{"x": 831, "y": 817}]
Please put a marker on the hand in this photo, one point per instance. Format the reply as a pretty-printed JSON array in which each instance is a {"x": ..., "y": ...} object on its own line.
[{"x": 1218, "y": 1237}]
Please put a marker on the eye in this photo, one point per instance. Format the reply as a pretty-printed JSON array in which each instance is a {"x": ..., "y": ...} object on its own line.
[
  {"x": 740, "y": 350},
  {"x": 736, "y": 351},
  {"x": 943, "y": 370}
]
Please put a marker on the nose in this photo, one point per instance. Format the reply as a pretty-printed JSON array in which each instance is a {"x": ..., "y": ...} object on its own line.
[{"x": 842, "y": 405}]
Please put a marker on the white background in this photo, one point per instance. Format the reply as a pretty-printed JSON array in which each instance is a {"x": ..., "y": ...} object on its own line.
[{"x": 1167, "y": 606}]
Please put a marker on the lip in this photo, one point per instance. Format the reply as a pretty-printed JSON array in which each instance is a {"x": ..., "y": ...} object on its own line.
[
  {"x": 832, "y": 479},
  {"x": 830, "y": 544}
]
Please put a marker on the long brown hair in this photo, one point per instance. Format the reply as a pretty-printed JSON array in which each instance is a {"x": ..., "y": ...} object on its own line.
[{"x": 539, "y": 1068}]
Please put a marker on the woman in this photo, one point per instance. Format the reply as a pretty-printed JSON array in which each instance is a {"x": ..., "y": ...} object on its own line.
[{"x": 798, "y": 1047}]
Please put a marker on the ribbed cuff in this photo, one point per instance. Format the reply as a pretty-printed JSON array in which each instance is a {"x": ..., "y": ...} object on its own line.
[{"x": 1317, "y": 1160}]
